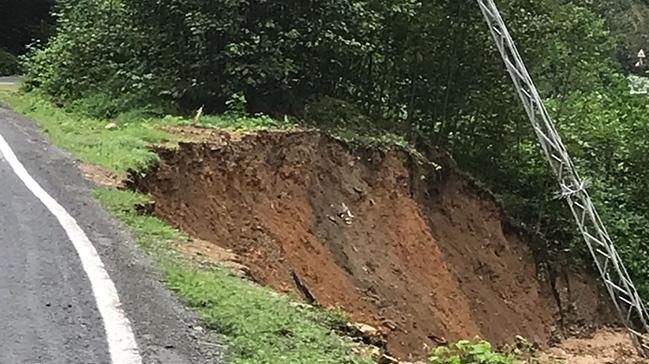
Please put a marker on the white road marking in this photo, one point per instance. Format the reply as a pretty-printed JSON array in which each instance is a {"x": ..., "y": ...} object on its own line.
[{"x": 121, "y": 340}]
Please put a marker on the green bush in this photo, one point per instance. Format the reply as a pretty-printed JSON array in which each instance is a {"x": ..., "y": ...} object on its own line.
[
  {"x": 195, "y": 53},
  {"x": 332, "y": 112},
  {"x": 465, "y": 352},
  {"x": 8, "y": 63}
]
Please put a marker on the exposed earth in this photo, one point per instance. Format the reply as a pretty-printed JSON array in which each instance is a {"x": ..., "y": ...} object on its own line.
[
  {"x": 604, "y": 347},
  {"x": 415, "y": 249}
]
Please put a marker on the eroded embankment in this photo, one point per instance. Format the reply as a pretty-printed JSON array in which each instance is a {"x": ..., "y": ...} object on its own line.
[{"x": 421, "y": 253}]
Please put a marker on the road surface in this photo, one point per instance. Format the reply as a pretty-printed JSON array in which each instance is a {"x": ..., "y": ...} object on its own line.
[
  {"x": 8, "y": 80},
  {"x": 74, "y": 288}
]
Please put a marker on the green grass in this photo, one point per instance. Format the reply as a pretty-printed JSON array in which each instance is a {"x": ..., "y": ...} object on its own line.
[
  {"x": 246, "y": 123},
  {"x": 259, "y": 326},
  {"x": 7, "y": 90},
  {"x": 127, "y": 146},
  {"x": 117, "y": 149}
]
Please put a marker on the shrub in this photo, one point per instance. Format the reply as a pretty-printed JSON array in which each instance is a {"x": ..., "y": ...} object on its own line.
[
  {"x": 8, "y": 63},
  {"x": 465, "y": 352}
]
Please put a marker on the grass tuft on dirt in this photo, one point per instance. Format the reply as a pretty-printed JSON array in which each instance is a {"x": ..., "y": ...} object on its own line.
[
  {"x": 259, "y": 325},
  {"x": 245, "y": 123}
]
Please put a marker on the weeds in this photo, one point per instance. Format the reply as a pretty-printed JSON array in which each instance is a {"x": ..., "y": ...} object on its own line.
[
  {"x": 471, "y": 353},
  {"x": 119, "y": 149},
  {"x": 245, "y": 122}
]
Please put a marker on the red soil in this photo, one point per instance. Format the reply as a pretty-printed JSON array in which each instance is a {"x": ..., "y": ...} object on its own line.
[{"x": 423, "y": 256}]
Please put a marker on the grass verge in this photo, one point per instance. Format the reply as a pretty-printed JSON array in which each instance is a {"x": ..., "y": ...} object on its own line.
[
  {"x": 89, "y": 139},
  {"x": 126, "y": 143},
  {"x": 260, "y": 326}
]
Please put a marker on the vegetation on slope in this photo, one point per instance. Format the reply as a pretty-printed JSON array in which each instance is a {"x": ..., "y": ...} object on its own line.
[
  {"x": 22, "y": 23},
  {"x": 628, "y": 22}
]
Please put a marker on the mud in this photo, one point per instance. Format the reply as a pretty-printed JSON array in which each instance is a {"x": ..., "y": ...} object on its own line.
[
  {"x": 418, "y": 251},
  {"x": 100, "y": 176},
  {"x": 604, "y": 347}
]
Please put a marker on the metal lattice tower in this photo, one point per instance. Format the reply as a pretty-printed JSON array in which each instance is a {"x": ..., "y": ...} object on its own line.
[{"x": 614, "y": 275}]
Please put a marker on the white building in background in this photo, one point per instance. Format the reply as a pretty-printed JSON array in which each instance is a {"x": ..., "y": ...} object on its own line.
[{"x": 641, "y": 58}]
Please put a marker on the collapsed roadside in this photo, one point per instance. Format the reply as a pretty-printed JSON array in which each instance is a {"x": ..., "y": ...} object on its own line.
[{"x": 416, "y": 251}]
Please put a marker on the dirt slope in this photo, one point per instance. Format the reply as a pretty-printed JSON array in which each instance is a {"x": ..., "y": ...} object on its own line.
[{"x": 421, "y": 253}]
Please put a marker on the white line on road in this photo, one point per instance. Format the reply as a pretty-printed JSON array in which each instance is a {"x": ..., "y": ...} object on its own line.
[{"x": 121, "y": 341}]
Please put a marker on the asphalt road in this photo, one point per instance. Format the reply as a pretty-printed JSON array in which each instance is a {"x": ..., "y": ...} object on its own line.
[
  {"x": 48, "y": 307},
  {"x": 8, "y": 80},
  {"x": 48, "y": 313}
]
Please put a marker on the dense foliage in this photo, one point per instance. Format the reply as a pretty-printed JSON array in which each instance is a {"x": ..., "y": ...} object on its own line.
[
  {"x": 425, "y": 69},
  {"x": 8, "y": 63}
]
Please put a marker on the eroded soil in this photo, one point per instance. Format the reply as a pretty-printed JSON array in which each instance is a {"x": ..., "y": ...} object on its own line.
[
  {"x": 603, "y": 347},
  {"x": 417, "y": 251}
]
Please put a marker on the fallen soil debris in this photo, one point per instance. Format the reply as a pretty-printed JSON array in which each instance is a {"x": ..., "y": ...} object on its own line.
[
  {"x": 606, "y": 346},
  {"x": 100, "y": 176}
]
